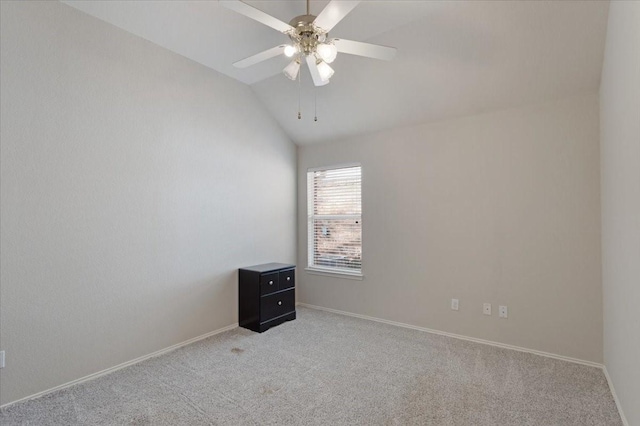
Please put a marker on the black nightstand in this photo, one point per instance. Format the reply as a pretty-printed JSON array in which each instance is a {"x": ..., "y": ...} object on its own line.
[{"x": 266, "y": 295}]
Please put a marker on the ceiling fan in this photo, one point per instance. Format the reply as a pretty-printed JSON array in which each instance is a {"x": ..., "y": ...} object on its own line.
[{"x": 310, "y": 40}]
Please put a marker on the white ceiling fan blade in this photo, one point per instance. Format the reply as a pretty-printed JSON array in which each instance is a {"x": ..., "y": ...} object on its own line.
[
  {"x": 257, "y": 15},
  {"x": 365, "y": 49},
  {"x": 333, "y": 13},
  {"x": 259, "y": 57},
  {"x": 315, "y": 74}
]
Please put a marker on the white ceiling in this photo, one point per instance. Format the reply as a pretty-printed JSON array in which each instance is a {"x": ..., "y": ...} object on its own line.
[{"x": 454, "y": 58}]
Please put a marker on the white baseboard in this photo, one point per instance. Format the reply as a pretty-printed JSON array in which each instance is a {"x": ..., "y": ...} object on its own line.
[
  {"x": 123, "y": 365},
  {"x": 458, "y": 336},
  {"x": 615, "y": 396}
]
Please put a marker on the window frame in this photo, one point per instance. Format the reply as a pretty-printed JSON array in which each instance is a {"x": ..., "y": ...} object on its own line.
[{"x": 327, "y": 270}]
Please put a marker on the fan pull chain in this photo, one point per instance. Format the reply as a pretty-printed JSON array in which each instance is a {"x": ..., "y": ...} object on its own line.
[
  {"x": 315, "y": 104},
  {"x": 299, "y": 90}
]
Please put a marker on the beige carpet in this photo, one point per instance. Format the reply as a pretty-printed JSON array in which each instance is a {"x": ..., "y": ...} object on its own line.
[{"x": 328, "y": 369}]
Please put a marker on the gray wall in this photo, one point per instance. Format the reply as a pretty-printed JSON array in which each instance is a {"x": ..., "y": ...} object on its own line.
[
  {"x": 620, "y": 168},
  {"x": 134, "y": 183},
  {"x": 501, "y": 208}
]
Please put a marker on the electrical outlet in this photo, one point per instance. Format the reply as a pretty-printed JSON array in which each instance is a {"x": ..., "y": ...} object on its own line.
[
  {"x": 502, "y": 311},
  {"x": 486, "y": 309},
  {"x": 454, "y": 304},
  {"x": 1, "y": 359}
]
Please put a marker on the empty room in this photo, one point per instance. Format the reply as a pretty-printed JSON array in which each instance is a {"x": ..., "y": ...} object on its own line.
[{"x": 315, "y": 212}]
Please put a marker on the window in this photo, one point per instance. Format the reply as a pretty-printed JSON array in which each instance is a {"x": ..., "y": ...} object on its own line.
[{"x": 334, "y": 208}]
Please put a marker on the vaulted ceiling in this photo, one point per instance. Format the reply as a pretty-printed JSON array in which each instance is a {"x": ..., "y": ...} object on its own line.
[{"x": 454, "y": 58}]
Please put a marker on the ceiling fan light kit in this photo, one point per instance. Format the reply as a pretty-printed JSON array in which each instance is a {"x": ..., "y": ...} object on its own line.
[
  {"x": 327, "y": 52},
  {"x": 325, "y": 71},
  {"x": 292, "y": 70},
  {"x": 289, "y": 51},
  {"x": 309, "y": 35}
]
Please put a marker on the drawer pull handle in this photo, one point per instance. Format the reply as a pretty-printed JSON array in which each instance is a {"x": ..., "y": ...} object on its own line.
[
  {"x": 279, "y": 302},
  {"x": 288, "y": 278},
  {"x": 270, "y": 282}
]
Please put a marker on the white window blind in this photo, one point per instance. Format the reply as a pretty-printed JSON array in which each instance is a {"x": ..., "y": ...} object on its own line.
[{"x": 335, "y": 219}]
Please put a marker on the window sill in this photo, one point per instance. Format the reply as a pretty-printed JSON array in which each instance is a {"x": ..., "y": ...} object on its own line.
[{"x": 337, "y": 274}]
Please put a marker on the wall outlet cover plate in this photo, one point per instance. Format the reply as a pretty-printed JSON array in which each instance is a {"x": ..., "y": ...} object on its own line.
[
  {"x": 486, "y": 309},
  {"x": 503, "y": 311}
]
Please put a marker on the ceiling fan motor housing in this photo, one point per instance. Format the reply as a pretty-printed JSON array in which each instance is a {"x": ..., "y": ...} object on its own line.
[{"x": 305, "y": 34}]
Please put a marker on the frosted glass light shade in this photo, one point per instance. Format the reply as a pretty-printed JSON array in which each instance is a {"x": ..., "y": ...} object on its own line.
[
  {"x": 292, "y": 70},
  {"x": 290, "y": 50},
  {"x": 325, "y": 71},
  {"x": 327, "y": 52}
]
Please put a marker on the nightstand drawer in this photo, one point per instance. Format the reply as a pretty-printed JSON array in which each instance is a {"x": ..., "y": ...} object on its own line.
[
  {"x": 275, "y": 305},
  {"x": 268, "y": 283},
  {"x": 287, "y": 279}
]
